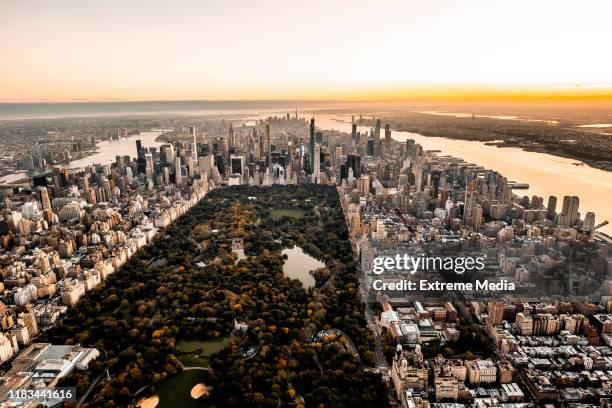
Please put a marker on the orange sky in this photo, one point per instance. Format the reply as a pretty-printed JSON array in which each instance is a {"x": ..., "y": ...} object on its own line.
[{"x": 333, "y": 49}]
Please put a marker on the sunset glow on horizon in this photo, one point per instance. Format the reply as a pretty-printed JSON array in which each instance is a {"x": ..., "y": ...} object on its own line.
[{"x": 355, "y": 50}]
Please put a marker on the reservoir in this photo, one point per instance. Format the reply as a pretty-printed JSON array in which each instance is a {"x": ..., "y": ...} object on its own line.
[{"x": 298, "y": 266}]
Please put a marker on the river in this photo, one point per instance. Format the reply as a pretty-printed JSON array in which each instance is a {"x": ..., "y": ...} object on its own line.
[
  {"x": 546, "y": 174},
  {"x": 106, "y": 153}
]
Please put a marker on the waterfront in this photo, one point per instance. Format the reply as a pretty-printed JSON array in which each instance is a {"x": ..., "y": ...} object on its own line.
[
  {"x": 106, "y": 153},
  {"x": 109, "y": 150},
  {"x": 546, "y": 174}
]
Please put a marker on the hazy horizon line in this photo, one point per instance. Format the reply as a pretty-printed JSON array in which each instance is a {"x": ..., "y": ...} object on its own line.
[{"x": 471, "y": 98}]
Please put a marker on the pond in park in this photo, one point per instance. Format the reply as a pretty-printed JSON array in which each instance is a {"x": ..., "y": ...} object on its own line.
[{"x": 299, "y": 264}]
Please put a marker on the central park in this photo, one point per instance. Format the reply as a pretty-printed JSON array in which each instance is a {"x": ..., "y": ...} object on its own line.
[{"x": 217, "y": 305}]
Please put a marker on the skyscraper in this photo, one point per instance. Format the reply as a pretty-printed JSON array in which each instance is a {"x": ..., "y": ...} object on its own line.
[
  {"x": 589, "y": 221},
  {"x": 317, "y": 163},
  {"x": 569, "y": 212},
  {"x": 43, "y": 194},
  {"x": 237, "y": 164},
  {"x": 194, "y": 145},
  {"x": 167, "y": 153},
  {"x": 435, "y": 181},
  {"x": 370, "y": 148},
  {"x": 387, "y": 135},
  {"x": 269, "y": 148},
  {"x": 140, "y": 161},
  {"x": 311, "y": 146},
  {"x": 574, "y": 215},
  {"x": 551, "y": 208},
  {"x": 177, "y": 170},
  {"x": 261, "y": 146},
  {"x": 149, "y": 166},
  {"x": 476, "y": 217},
  {"x": 354, "y": 162},
  {"x": 377, "y": 130},
  {"x": 232, "y": 140}
]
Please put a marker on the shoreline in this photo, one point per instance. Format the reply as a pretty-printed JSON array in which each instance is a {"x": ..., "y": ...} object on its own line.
[{"x": 510, "y": 141}]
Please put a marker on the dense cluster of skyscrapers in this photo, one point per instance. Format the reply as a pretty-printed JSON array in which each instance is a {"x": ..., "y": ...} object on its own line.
[{"x": 72, "y": 228}]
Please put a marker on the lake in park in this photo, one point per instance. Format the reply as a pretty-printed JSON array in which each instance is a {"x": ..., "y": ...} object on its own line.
[{"x": 299, "y": 264}]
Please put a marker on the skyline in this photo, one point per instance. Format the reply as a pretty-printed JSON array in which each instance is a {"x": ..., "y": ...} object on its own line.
[
  {"x": 336, "y": 50},
  {"x": 234, "y": 203}
]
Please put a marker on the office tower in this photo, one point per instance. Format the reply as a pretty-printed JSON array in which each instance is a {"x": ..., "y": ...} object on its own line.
[
  {"x": 569, "y": 212},
  {"x": 435, "y": 181},
  {"x": 194, "y": 145},
  {"x": 261, "y": 144},
  {"x": 166, "y": 176},
  {"x": 589, "y": 221},
  {"x": 469, "y": 199},
  {"x": 317, "y": 163},
  {"x": 354, "y": 132},
  {"x": 344, "y": 171},
  {"x": 574, "y": 215},
  {"x": 140, "y": 161},
  {"x": 370, "y": 148},
  {"x": 377, "y": 130},
  {"x": 476, "y": 217},
  {"x": 46, "y": 203},
  {"x": 190, "y": 164},
  {"x": 551, "y": 208},
  {"x": 537, "y": 203},
  {"x": 237, "y": 164},
  {"x": 319, "y": 137},
  {"x": 203, "y": 164},
  {"x": 418, "y": 177},
  {"x": 139, "y": 149},
  {"x": 149, "y": 166},
  {"x": 107, "y": 188},
  {"x": 269, "y": 148},
  {"x": 166, "y": 154},
  {"x": 311, "y": 145},
  {"x": 128, "y": 175},
  {"x": 411, "y": 147},
  {"x": 43, "y": 195},
  {"x": 177, "y": 171},
  {"x": 363, "y": 185},
  {"x": 220, "y": 163},
  {"x": 338, "y": 153},
  {"x": 232, "y": 140},
  {"x": 307, "y": 163},
  {"x": 120, "y": 164},
  {"x": 354, "y": 162},
  {"x": 498, "y": 211},
  {"x": 387, "y": 135},
  {"x": 565, "y": 210}
]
